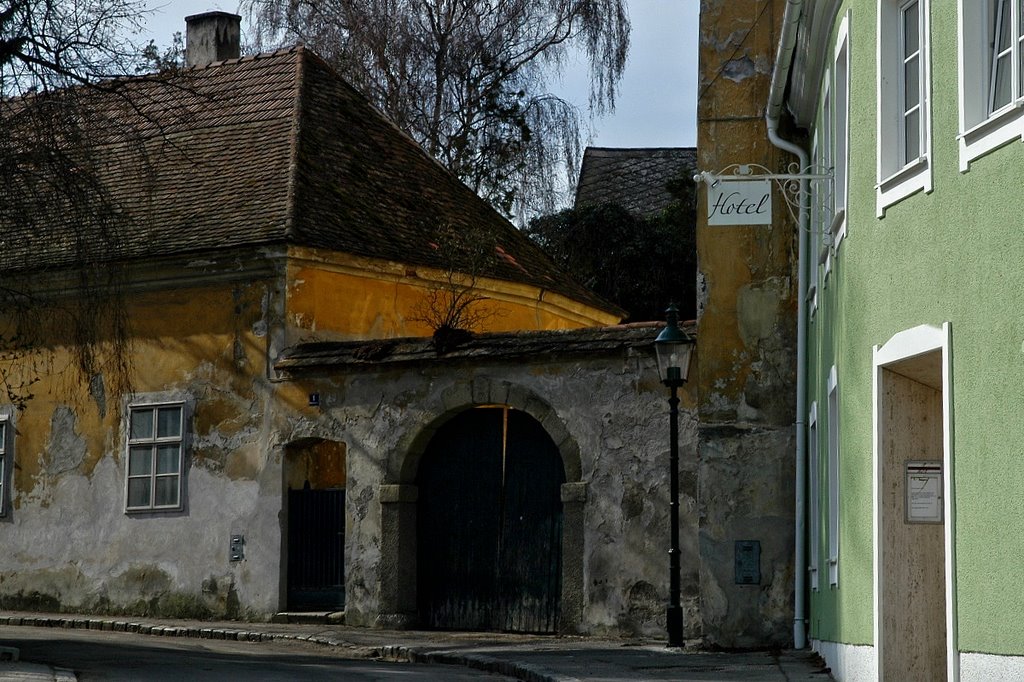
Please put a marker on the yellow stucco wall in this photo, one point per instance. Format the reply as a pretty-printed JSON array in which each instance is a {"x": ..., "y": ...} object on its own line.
[
  {"x": 210, "y": 341},
  {"x": 748, "y": 277},
  {"x": 339, "y": 296},
  {"x": 745, "y": 376},
  {"x": 206, "y": 341}
]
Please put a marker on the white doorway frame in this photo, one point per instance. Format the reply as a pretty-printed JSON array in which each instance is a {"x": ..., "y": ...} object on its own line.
[{"x": 902, "y": 346}]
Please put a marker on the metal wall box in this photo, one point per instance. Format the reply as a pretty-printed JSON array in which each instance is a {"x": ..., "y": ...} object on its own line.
[
  {"x": 748, "y": 562},
  {"x": 237, "y": 551}
]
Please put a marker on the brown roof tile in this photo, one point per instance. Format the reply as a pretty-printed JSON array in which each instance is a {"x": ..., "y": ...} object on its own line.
[
  {"x": 275, "y": 148},
  {"x": 317, "y": 358},
  {"x": 634, "y": 178}
]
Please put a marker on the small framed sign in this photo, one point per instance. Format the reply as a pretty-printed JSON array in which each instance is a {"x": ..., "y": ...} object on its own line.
[
  {"x": 924, "y": 492},
  {"x": 740, "y": 202}
]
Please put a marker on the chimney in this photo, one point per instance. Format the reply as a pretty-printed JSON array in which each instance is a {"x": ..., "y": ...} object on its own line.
[{"x": 212, "y": 37}]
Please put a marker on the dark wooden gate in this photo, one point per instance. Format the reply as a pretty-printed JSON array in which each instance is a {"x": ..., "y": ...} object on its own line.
[
  {"x": 316, "y": 550},
  {"x": 490, "y": 524}
]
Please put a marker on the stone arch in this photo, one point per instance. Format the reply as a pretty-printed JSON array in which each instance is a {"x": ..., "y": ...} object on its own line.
[
  {"x": 399, "y": 495},
  {"x": 467, "y": 394}
]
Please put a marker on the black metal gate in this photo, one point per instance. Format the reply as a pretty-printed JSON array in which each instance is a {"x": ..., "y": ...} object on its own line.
[
  {"x": 490, "y": 524},
  {"x": 316, "y": 550}
]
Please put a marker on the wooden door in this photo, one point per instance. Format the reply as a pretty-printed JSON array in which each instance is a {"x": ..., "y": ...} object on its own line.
[{"x": 490, "y": 524}]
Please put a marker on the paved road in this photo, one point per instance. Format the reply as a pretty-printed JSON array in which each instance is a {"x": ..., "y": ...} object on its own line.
[{"x": 119, "y": 657}]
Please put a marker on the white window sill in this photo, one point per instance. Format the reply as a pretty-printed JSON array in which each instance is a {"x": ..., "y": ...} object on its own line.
[
  {"x": 838, "y": 229},
  {"x": 1002, "y": 127},
  {"x": 912, "y": 178},
  {"x": 154, "y": 510}
]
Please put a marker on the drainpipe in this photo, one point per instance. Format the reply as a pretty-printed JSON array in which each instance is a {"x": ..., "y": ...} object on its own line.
[{"x": 777, "y": 91}]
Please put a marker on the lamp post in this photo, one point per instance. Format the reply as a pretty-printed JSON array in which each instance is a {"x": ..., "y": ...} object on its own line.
[{"x": 674, "y": 347}]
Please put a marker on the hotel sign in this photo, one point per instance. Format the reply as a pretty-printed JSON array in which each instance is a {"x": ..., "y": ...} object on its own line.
[{"x": 740, "y": 202}]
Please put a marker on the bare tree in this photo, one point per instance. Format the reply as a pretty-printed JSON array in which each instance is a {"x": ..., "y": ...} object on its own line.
[
  {"x": 59, "y": 63},
  {"x": 468, "y": 79}
]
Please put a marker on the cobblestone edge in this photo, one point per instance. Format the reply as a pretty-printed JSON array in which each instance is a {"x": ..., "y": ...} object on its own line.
[{"x": 393, "y": 652}]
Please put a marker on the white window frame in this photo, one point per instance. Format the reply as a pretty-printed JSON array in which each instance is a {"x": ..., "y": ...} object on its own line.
[
  {"x": 5, "y": 462},
  {"x": 899, "y": 177},
  {"x": 814, "y": 492},
  {"x": 814, "y": 239},
  {"x": 981, "y": 128},
  {"x": 828, "y": 150},
  {"x": 841, "y": 136},
  {"x": 154, "y": 441},
  {"x": 833, "y": 477}
]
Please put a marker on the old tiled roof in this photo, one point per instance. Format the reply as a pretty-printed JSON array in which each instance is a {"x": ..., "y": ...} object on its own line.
[
  {"x": 313, "y": 358},
  {"x": 277, "y": 149},
  {"x": 633, "y": 178}
]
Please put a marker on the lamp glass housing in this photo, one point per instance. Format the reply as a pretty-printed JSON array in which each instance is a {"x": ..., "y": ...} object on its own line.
[
  {"x": 674, "y": 360},
  {"x": 674, "y": 348}
]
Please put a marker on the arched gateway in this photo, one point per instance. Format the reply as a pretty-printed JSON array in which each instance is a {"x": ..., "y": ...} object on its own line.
[
  {"x": 483, "y": 526},
  {"x": 489, "y": 524}
]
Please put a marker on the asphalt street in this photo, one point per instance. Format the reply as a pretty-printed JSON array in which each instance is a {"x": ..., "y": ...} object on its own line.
[
  {"x": 120, "y": 657},
  {"x": 182, "y": 650}
]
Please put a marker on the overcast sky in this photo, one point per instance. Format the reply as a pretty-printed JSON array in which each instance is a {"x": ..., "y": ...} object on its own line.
[{"x": 656, "y": 106}]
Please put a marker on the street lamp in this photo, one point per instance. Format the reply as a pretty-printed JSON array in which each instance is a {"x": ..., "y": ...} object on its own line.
[{"x": 674, "y": 347}]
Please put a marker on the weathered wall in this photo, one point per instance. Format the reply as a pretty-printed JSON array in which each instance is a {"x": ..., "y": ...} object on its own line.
[
  {"x": 69, "y": 543},
  {"x": 611, "y": 410},
  {"x": 340, "y": 296},
  {"x": 747, "y": 314},
  {"x": 952, "y": 256}
]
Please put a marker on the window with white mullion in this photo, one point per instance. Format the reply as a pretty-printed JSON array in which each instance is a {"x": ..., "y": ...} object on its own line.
[
  {"x": 904, "y": 102},
  {"x": 991, "y": 76},
  {"x": 814, "y": 491},
  {"x": 154, "y": 457},
  {"x": 828, "y": 160},
  {"x": 1018, "y": 58},
  {"x": 832, "y": 477},
  {"x": 3, "y": 466},
  {"x": 817, "y": 218},
  {"x": 910, "y": 82},
  {"x": 1003, "y": 47}
]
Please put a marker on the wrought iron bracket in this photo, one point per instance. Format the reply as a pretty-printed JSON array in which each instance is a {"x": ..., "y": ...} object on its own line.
[{"x": 789, "y": 184}]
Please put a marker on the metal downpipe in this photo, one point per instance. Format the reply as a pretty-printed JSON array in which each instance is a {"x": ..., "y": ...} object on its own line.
[{"x": 773, "y": 112}]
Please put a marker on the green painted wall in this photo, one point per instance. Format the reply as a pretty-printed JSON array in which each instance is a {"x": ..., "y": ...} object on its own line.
[{"x": 955, "y": 254}]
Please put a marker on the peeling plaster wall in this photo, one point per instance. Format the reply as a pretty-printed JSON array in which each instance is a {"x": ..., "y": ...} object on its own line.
[
  {"x": 202, "y": 333},
  {"x": 69, "y": 545},
  {"x": 342, "y": 297},
  {"x": 747, "y": 320},
  {"x": 613, "y": 408}
]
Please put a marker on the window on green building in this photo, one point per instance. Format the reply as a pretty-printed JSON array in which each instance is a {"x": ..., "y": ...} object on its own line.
[
  {"x": 991, "y": 75},
  {"x": 904, "y": 101}
]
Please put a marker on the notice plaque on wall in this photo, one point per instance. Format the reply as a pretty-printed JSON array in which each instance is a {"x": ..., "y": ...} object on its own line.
[{"x": 924, "y": 492}]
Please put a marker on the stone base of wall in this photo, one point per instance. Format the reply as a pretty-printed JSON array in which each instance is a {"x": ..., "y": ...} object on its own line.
[
  {"x": 857, "y": 663},
  {"x": 849, "y": 662},
  {"x": 990, "y": 668}
]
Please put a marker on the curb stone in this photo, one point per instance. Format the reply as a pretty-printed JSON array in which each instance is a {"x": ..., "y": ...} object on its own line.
[
  {"x": 398, "y": 653},
  {"x": 520, "y": 671}
]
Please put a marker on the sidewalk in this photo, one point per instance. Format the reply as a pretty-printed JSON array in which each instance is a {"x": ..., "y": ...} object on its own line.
[{"x": 531, "y": 658}]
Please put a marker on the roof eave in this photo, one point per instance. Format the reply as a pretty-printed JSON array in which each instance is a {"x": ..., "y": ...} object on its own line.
[{"x": 812, "y": 54}]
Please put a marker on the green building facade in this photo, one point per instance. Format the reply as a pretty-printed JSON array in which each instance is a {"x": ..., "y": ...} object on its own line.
[{"x": 914, "y": 311}]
